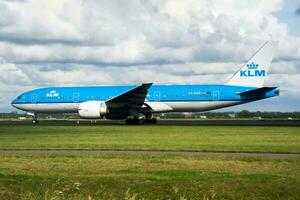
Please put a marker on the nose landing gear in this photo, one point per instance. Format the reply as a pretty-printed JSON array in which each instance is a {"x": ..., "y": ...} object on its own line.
[
  {"x": 34, "y": 118},
  {"x": 34, "y": 121}
]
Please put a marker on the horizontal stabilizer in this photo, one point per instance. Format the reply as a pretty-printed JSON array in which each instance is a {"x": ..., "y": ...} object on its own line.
[{"x": 257, "y": 91}]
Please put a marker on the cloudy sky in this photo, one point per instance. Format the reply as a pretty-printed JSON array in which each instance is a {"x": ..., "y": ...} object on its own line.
[{"x": 97, "y": 42}]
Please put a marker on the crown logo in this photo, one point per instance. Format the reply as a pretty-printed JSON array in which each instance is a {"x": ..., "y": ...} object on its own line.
[
  {"x": 52, "y": 93},
  {"x": 252, "y": 65}
]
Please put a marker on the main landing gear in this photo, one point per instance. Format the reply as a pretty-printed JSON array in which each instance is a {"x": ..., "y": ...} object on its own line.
[{"x": 141, "y": 119}]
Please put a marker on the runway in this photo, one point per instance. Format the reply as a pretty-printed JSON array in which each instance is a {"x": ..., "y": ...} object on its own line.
[
  {"x": 162, "y": 122},
  {"x": 146, "y": 152}
]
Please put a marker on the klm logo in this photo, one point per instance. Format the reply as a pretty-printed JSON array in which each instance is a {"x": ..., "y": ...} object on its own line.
[
  {"x": 52, "y": 93},
  {"x": 252, "y": 71}
]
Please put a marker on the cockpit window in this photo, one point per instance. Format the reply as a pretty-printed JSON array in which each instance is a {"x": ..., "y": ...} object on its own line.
[{"x": 19, "y": 97}]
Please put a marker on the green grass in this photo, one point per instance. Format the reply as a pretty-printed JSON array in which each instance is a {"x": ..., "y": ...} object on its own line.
[
  {"x": 202, "y": 138},
  {"x": 147, "y": 177},
  {"x": 88, "y": 176}
]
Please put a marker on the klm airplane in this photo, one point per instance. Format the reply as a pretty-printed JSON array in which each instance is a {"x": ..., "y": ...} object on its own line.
[{"x": 136, "y": 104}]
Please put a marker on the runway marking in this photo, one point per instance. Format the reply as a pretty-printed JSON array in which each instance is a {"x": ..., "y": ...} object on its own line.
[{"x": 145, "y": 152}]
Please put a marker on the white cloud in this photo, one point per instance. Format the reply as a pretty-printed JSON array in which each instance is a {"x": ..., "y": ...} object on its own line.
[
  {"x": 129, "y": 32},
  {"x": 84, "y": 42}
]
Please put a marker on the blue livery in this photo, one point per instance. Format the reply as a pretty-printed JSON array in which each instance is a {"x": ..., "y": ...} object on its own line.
[{"x": 156, "y": 93}]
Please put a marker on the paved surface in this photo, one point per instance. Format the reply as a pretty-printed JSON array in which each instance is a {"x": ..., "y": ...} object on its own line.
[
  {"x": 146, "y": 152},
  {"x": 174, "y": 122}
]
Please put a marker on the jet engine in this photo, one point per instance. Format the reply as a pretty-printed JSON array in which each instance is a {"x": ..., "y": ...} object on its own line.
[{"x": 92, "y": 109}]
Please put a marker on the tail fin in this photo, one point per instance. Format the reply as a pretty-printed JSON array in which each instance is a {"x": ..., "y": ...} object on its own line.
[{"x": 254, "y": 72}]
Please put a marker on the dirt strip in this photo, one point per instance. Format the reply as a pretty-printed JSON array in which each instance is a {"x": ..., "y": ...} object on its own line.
[{"x": 145, "y": 152}]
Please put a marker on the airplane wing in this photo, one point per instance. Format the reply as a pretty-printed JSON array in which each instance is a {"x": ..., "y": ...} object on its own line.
[{"x": 133, "y": 98}]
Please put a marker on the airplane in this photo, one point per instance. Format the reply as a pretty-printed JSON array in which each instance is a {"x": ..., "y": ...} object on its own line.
[{"x": 136, "y": 104}]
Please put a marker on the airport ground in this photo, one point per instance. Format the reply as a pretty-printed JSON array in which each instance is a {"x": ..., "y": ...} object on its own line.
[{"x": 268, "y": 168}]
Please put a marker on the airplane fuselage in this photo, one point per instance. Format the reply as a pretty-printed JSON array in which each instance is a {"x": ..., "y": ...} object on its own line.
[{"x": 159, "y": 99}]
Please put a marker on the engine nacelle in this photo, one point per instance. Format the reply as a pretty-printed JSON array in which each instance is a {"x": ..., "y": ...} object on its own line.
[{"x": 92, "y": 109}]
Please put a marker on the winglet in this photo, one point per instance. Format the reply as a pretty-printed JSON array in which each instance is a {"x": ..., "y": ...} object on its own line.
[
  {"x": 147, "y": 85},
  {"x": 254, "y": 72}
]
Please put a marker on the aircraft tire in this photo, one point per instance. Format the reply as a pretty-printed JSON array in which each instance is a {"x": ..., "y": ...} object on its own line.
[
  {"x": 134, "y": 121},
  {"x": 153, "y": 121},
  {"x": 140, "y": 121}
]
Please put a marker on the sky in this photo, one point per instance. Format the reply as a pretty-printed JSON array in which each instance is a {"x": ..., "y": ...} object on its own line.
[{"x": 96, "y": 42}]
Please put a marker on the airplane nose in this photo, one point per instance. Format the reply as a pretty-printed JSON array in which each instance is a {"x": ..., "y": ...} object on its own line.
[{"x": 13, "y": 103}]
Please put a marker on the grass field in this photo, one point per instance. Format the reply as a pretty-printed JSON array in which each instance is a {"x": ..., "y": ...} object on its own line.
[
  {"x": 202, "y": 138},
  {"x": 147, "y": 177},
  {"x": 92, "y": 176}
]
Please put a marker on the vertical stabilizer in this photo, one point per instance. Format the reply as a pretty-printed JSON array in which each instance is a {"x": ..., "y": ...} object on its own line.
[{"x": 254, "y": 72}]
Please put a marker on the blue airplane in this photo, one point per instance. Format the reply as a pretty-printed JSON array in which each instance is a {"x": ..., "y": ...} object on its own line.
[{"x": 137, "y": 104}]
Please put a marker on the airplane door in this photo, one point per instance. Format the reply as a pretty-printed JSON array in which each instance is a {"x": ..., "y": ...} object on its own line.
[
  {"x": 75, "y": 97},
  {"x": 34, "y": 98},
  {"x": 216, "y": 95},
  {"x": 157, "y": 96}
]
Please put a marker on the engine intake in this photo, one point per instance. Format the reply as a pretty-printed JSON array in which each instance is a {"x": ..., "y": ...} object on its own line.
[{"x": 92, "y": 109}]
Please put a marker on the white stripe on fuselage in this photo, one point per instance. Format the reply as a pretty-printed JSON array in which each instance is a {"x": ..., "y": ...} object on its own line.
[
  {"x": 158, "y": 107},
  {"x": 198, "y": 106},
  {"x": 48, "y": 107}
]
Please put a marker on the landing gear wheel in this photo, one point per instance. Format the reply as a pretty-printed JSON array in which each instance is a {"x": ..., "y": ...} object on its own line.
[
  {"x": 134, "y": 121},
  {"x": 151, "y": 120},
  {"x": 141, "y": 121},
  {"x": 128, "y": 121}
]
